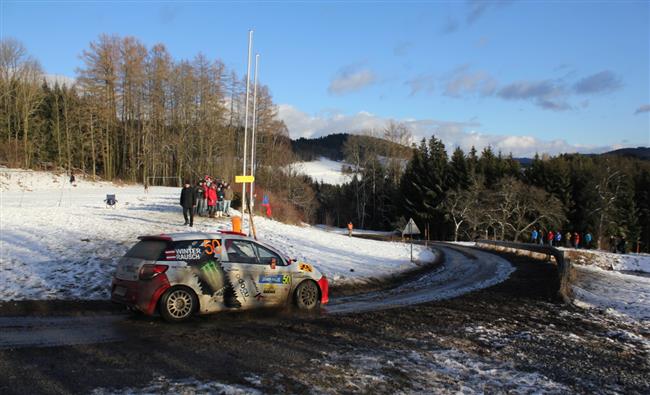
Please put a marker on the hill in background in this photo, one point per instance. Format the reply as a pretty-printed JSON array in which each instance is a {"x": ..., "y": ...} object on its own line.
[{"x": 332, "y": 147}]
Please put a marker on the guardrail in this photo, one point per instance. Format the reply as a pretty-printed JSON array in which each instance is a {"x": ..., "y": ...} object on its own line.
[{"x": 563, "y": 263}]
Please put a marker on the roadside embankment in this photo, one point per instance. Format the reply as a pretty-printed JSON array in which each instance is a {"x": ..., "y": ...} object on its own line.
[{"x": 565, "y": 271}]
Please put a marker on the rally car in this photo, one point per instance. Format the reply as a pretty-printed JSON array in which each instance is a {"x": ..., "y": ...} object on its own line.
[{"x": 182, "y": 274}]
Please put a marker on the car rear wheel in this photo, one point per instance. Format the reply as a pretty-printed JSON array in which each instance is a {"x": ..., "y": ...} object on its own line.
[
  {"x": 178, "y": 304},
  {"x": 307, "y": 295}
]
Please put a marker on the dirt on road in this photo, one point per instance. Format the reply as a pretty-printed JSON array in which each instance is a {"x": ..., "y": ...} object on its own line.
[{"x": 515, "y": 336}]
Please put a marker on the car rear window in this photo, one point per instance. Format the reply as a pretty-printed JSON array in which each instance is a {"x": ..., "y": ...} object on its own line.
[{"x": 150, "y": 250}]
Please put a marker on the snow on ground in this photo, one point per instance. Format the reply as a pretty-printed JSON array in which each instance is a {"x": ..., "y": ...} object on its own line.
[
  {"x": 365, "y": 232},
  {"x": 440, "y": 371},
  {"x": 59, "y": 241},
  {"x": 609, "y": 261},
  {"x": 617, "y": 293},
  {"x": 323, "y": 170}
]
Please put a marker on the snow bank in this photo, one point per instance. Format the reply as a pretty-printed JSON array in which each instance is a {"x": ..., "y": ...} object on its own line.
[
  {"x": 610, "y": 261},
  {"x": 58, "y": 241},
  {"x": 617, "y": 293}
]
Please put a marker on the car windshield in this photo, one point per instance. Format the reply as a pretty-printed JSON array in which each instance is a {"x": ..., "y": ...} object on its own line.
[{"x": 147, "y": 249}]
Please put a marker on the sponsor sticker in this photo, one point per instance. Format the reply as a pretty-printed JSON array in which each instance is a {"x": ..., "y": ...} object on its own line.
[
  {"x": 189, "y": 253},
  {"x": 274, "y": 279},
  {"x": 305, "y": 267},
  {"x": 268, "y": 289}
]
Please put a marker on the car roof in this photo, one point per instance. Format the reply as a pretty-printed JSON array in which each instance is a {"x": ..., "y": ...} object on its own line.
[{"x": 195, "y": 235}]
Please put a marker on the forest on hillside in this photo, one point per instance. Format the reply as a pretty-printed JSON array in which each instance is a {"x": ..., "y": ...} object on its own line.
[{"x": 471, "y": 195}]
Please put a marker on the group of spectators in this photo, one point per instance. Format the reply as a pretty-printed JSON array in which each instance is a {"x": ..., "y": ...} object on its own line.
[
  {"x": 552, "y": 238},
  {"x": 209, "y": 197}
]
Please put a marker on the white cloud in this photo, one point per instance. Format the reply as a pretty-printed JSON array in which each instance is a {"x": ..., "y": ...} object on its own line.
[
  {"x": 351, "y": 79},
  {"x": 452, "y": 133}
]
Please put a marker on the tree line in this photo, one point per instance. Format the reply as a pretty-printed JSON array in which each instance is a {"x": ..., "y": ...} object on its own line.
[
  {"x": 139, "y": 115},
  {"x": 479, "y": 195}
]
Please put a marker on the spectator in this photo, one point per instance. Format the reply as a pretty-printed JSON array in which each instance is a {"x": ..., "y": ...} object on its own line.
[
  {"x": 588, "y": 238},
  {"x": 549, "y": 236},
  {"x": 212, "y": 199},
  {"x": 220, "y": 199},
  {"x": 576, "y": 238},
  {"x": 200, "y": 198},
  {"x": 621, "y": 246},
  {"x": 567, "y": 239},
  {"x": 558, "y": 238},
  {"x": 228, "y": 196},
  {"x": 188, "y": 201},
  {"x": 350, "y": 227},
  {"x": 533, "y": 236},
  {"x": 540, "y": 237}
]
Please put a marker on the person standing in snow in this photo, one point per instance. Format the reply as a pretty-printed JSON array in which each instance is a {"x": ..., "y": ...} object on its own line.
[
  {"x": 350, "y": 227},
  {"x": 576, "y": 237},
  {"x": 567, "y": 239},
  {"x": 558, "y": 238},
  {"x": 220, "y": 198},
  {"x": 533, "y": 236},
  {"x": 550, "y": 235},
  {"x": 588, "y": 238},
  {"x": 228, "y": 197},
  {"x": 200, "y": 200},
  {"x": 540, "y": 237},
  {"x": 212, "y": 199},
  {"x": 188, "y": 201}
]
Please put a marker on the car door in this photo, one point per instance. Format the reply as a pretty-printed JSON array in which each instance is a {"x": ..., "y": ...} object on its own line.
[
  {"x": 244, "y": 268},
  {"x": 275, "y": 277}
]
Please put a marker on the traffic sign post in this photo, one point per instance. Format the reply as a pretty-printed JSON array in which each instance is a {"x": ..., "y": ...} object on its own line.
[{"x": 411, "y": 229}]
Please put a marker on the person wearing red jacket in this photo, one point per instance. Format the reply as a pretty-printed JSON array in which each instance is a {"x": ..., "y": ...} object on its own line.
[
  {"x": 550, "y": 237},
  {"x": 212, "y": 199}
]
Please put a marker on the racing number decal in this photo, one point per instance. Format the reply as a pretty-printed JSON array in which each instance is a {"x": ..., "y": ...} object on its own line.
[{"x": 212, "y": 247}]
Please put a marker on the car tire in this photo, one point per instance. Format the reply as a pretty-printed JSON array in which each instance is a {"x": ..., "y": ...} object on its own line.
[
  {"x": 178, "y": 304},
  {"x": 307, "y": 295}
]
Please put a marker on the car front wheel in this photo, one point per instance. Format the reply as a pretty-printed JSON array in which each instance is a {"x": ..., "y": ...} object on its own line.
[
  {"x": 177, "y": 304},
  {"x": 307, "y": 295}
]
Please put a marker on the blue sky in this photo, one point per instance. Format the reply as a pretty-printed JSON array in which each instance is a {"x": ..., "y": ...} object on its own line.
[{"x": 522, "y": 76}]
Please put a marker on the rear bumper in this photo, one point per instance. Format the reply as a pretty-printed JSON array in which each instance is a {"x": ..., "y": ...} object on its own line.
[
  {"x": 141, "y": 295},
  {"x": 324, "y": 290}
]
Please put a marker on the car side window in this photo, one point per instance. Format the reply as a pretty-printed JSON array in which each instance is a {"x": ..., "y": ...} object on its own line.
[
  {"x": 240, "y": 251},
  {"x": 267, "y": 255}
]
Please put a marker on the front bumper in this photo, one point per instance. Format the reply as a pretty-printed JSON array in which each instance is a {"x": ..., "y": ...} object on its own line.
[{"x": 141, "y": 295}]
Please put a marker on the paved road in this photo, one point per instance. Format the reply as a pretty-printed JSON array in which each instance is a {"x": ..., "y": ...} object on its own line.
[{"x": 461, "y": 272}]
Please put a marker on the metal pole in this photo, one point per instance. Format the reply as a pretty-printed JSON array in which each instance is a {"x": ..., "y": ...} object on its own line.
[
  {"x": 251, "y": 202},
  {"x": 411, "y": 236},
  {"x": 248, "y": 72}
]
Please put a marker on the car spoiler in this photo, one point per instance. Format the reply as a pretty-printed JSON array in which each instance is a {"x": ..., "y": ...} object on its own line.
[{"x": 160, "y": 237}]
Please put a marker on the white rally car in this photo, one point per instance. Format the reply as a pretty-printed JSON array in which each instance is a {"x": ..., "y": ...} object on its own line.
[{"x": 186, "y": 273}]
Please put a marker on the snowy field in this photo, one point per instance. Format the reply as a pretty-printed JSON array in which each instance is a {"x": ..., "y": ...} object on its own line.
[
  {"x": 323, "y": 170},
  {"x": 59, "y": 241}
]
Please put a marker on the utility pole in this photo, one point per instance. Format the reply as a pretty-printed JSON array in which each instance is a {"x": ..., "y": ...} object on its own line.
[
  {"x": 252, "y": 201},
  {"x": 248, "y": 72}
]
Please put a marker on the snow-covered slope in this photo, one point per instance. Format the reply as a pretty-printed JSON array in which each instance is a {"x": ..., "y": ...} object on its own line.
[
  {"x": 59, "y": 241},
  {"x": 323, "y": 170}
]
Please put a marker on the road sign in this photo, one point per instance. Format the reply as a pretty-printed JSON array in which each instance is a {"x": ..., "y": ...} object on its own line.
[
  {"x": 411, "y": 228},
  {"x": 244, "y": 179}
]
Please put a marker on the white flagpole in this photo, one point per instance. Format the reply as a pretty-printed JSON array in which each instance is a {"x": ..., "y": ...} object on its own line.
[
  {"x": 252, "y": 204},
  {"x": 248, "y": 72}
]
